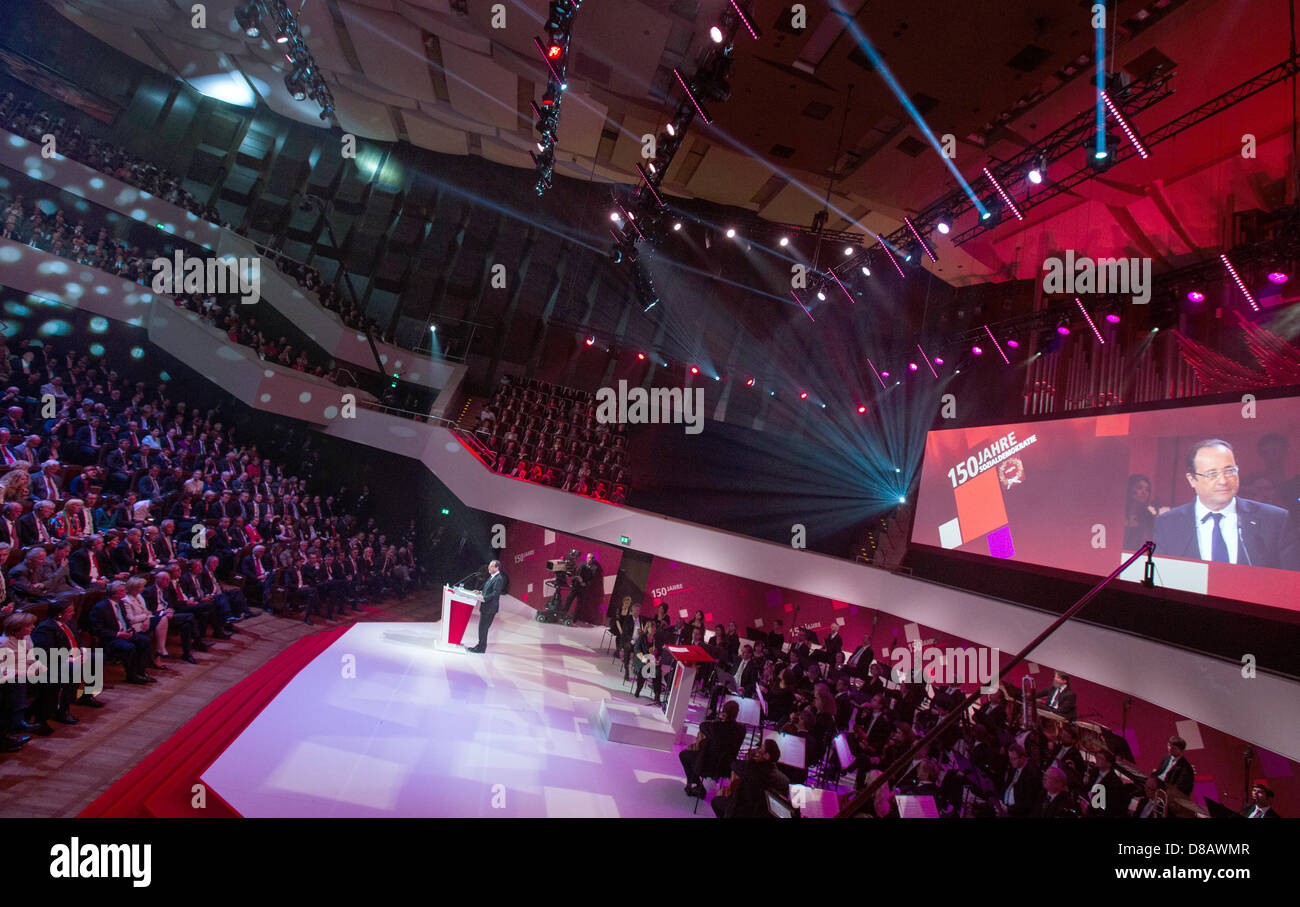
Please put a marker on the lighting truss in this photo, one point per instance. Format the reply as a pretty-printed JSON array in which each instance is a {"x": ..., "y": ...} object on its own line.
[
  {"x": 285, "y": 22},
  {"x": 555, "y": 54}
]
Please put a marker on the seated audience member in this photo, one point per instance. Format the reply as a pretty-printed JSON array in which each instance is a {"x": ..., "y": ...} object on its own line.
[
  {"x": 15, "y": 696},
  {"x": 745, "y": 797},
  {"x": 57, "y": 636},
  {"x": 742, "y": 681},
  {"x": 118, "y": 637}
]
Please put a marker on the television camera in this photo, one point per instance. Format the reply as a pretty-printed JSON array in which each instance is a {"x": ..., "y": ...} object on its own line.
[{"x": 561, "y": 569}]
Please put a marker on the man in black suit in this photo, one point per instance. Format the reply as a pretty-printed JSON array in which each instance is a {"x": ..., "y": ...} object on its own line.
[
  {"x": 1056, "y": 802},
  {"x": 1261, "y": 803},
  {"x": 751, "y": 779},
  {"x": 1060, "y": 698},
  {"x": 743, "y": 680},
  {"x": 54, "y": 700},
  {"x": 114, "y": 633},
  {"x": 1066, "y": 755},
  {"x": 34, "y": 527},
  {"x": 496, "y": 586},
  {"x": 1108, "y": 794},
  {"x": 1218, "y": 525},
  {"x": 88, "y": 566},
  {"x": 258, "y": 574},
  {"x": 1174, "y": 770},
  {"x": 9, "y": 517},
  {"x": 1023, "y": 787},
  {"x": 715, "y": 749}
]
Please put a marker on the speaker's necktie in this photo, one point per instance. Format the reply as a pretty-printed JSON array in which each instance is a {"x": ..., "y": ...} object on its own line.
[{"x": 1219, "y": 547}]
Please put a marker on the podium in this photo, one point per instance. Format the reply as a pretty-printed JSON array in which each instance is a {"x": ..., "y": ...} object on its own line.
[
  {"x": 688, "y": 658},
  {"x": 460, "y": 613}
]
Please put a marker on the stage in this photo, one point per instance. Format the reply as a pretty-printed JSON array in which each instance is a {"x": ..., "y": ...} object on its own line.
[{"x": 383, "y": 724}]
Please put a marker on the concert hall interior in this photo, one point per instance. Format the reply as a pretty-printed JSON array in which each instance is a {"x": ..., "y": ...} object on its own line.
[{"x": 649, "y": 408}]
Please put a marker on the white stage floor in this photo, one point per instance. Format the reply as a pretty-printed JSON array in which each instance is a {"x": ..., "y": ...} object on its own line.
[{"x": 382, "y": 724}]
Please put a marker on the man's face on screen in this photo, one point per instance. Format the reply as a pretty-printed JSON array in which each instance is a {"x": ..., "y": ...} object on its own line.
[{"x": 1215, "y": 493}]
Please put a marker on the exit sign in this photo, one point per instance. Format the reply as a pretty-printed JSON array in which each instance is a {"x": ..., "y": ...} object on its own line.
[{"x": 622, "y": 540}]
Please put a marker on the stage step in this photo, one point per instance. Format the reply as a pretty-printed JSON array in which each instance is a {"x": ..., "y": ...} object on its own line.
[{"x": 635, "y": 725}]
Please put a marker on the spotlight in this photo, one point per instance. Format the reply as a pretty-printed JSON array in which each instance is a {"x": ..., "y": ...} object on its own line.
[
  {"x": 433, "y": 329},
  {"x": 1277, "y": 277},
  {"x": 944, "y": 223},
  {"x": 296, "y": 83},
  {"x": 677, "y": 226},
  {"x": 615, "y": 216},
  {"x": 694, "y": 370},
  {"x": 912, "y": 366},
  {"x": 938, "y": 361},
  {"x": 554, "y": 51},
  {"x": 862, "y": 409},
  {"x": 1013, "y": 343},
  {"x": 716, "y": 34},
  {"x": 281, "y": 36},
  {"x": 1103, "y": 158},
  {"x": 884, "y": 374},
  {"x": 541, "y": 147},
  {"x": 246, "y": 16},
  {"x": 731, "y": 233},
  {"x": 641, "y": 356},
  {"x": 1195, "y": 296},
  {"x": 785, "y": 240},
  {"x": 591, "y": 341},
  {"x": 821, "y": 296},
  {"x": 866, "y": 272},
  {"x": 1038, "y": 169},
  {"x": 848, "y": 250},
  {"x": 1112, "y": 318},
  {"x": 672, "y": 131},
  {"x": 1063, "y": 329},
  {"x": 977, "y": 351},
  {"x": 803, "y": 395},
  {"x": 749, "y": 382}
]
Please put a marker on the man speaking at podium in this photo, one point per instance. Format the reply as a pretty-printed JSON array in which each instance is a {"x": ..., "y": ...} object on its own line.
[{"x": 496, "y": 586}]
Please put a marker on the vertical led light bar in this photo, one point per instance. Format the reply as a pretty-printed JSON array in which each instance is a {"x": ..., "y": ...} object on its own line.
[
  {"x": 1240, "y": 284},
  {"x": 1088, "y": 318},
  {"x": 1123, "y": 124},
  {"x": 1006, "y": 199}
]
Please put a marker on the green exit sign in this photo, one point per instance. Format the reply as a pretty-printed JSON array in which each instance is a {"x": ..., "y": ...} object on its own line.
[
  {"x": 622, "y": 540},
  {"x": 445, "y": 511}
]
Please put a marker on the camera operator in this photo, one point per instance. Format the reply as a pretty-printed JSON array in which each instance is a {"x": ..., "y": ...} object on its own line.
[{"x": 588, "y": 576}]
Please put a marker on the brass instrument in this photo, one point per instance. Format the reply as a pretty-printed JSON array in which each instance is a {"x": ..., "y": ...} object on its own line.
[{"x": 1028, "y": 703}]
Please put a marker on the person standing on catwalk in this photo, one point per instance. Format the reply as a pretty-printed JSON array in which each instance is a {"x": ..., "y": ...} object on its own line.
[{"x": 496, "y": 586}]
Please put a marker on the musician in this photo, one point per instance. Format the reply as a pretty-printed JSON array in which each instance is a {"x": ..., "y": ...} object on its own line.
[
  {"x": 993, "y": 713},
  {"x": 1114, "y": 803},
  {"x": 743, "y": 680},
  {"x": 751, "y": 779},
  {"x": 587, "y": 577},
  {"x": 1055, "y": 803},
  {"x": 731, "y": 645},
  {"x": 1261, "y": 803},
  {"x": 834, "y": 643},
  {"x": 1066, "y": 755},
  {"x": 714, "y": 750},
  {"x": 1151, "y": 805},
  {"x": 1175, "y": 770},
  {"x": 624, "y": 627},
  {"x": 1023, "y": 787},
  {"x": 861, "y": 660},
  {"x": 802, "y": 652},
  {"x": 871, "y": 734},
  {"x": 1060, "y": 698}
]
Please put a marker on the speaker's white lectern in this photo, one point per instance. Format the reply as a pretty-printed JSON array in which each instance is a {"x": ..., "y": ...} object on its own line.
[{"x": 460, "y": 612}]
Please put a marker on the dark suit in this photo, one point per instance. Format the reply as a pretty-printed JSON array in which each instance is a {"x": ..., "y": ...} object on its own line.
[
  {"x": 79, "y": 566},
  {"x": 1059, "y": 807},
  {"x": 493, "y": 589},
  {"x": 1026, "y": 791},
  {"x": 54, "y": 699},
  {"x": 750, "y": 798},
  {"x": 1116, "y": 801},
  {"x": 133, "y": 650},
  {"x": 720, "y": 743},
  {"x": 1266, "y": 538},
  {"x": 28, "y": 533},
  {"x": 1067, "y": 703},
  {"x": 1181, "y": 776}
]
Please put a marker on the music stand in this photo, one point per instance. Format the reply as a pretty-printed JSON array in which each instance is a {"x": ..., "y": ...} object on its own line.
[{"x": 1219, "y": 811}]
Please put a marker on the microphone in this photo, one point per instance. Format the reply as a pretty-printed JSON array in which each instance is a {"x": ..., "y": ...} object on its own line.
[
  {"x": 1241, "y": 540},
  {"x": 471, "y": 576}
]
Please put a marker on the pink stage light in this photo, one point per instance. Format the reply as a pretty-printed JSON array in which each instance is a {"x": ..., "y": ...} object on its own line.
[
  {"x": 1013, "y": 343},
  {"x": 912, "y": 366},
  {"x": 1123, "y": 124},
  {"x": 977, "y": 351},
  {"x": 590, "y": 341},
  {"x": 1113, "y": 318},
  {"x": 1276, "y": 277},
  {"x": 938, "y": 361},
  {"x": 1062, "y": 330},
  {"x": 803, "y": 396},
  {"x": 641, "y": 356},
  {"x": 1240, "y": 283},
  {"x": 1006, "y": 199},
  {"x": 694, "y": 370},
  {"x": 1088, "y": 317},
  {"x": 862, "y": 409},
  {"x": 884, "y": 374},
  {"x": 1196, "y": 296}
]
